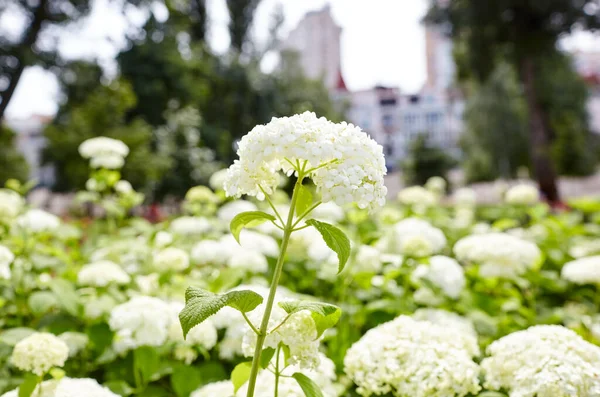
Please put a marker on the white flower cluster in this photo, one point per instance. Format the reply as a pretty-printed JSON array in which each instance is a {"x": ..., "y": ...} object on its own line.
[
  {"x": 498, "y": 254},
  {"x": 522, "y": 195},
  {"x": 465, "y": 197},
  {"x": 299, "y": 333},
  {"x": 407, "y": 357},
  {"x": 417, "y": 196},
  {"x": 462, "y": 327},
  {"x": 142, "y": 321},
  {"x": 328, "y": 212},
  {"x": 413, "y": 237},
  {"x": 102, "y": 273},
  {"x": 190, "y": 225},
  {"x": 436, "y": 185},
  {"x": 76, "y": 341},
  {"x": 582, "y": 270},
  {"x": 11, "y": 204},
  {"x": 6, "y": 258},
  {"x": 39, "y": 352},
  {"x": 203, "y": 335},
  {"x": 543, "y": 361},
  {"x": 38, "y": 221},
  {"x": 228, "y": 211},
  {"x": 104, "y": 152},
  {"x": 223, "y": 388},
  {"x": 585, "y": 247},
  {"x": 217, "y": 179},
  {"x": 68, "y": 387},
  {"x": 368, "y": 259},
  {"x": 352, "y": 164},
  {"x": 171, "y": 259},
  {"x": 444, "y": 272},
  {"x": 123, "y": 187}
]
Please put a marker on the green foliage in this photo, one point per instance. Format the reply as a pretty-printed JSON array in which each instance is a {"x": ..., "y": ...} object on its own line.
[
  {"x": 325, "y": 315},
  {"x": 12, "y": 163},
  {"x": 495, "y": 141},
  {"x": 248, "y": 219},
  {"x": 425, "y": 161},
  {"x": 201, "y": 304},
  {"x": 240, "y": 375},
  {"x": 241, "y": 15},
  {"x": 304, "y": 200},
  {"x": 335, "y": 239},
  {"x": 28, "y": 386},
  {"x": 103, "y": 113},
  {"x": 310, "y": 388}
]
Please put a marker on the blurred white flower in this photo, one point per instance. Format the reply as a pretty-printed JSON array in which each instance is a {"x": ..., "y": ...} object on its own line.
[
  {"x": 11, "y": 204},
  {"x": 444, "y": 272},
  {"x": 413, "y": 237},
  {"x": 102, "y": 146},
  {"x": 217, "y": 179},
  {"x": 68, "y": 387},
  {"x": 522, "y": 195},
  {"x": 328, "y": 212},
  {"x": 543, "y": 361},
  {"x": 162, "y": 239},
  {"x": 6, "y": 258},
  {"x": 171, "y": 259},
  {"x": 101, "y": 274},
  {"x": 38, "y": 221},
  {"x": 417, "y": 196},
  {"x": 228, "y": 211},
  {"x": 39, "y": 352},
  {"x": 465, "y": 197},
  {"x": 582, "y": 270},
  {"x": 123, "y": 187},
  {"x": 190, "y": 225}
]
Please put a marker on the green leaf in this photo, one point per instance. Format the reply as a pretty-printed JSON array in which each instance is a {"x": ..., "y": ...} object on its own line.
[
  {"x": 304, "y": 200},
  {"x": 266, "y": 356},
  {"x": 324, "y": 314},
  {"x": 309, "y": 387},
  {"x": 146, "y": 363},
  {"x": 28, "y": 386},
  {"x": 335, "y": 239},
  {"x": 248, "y": 219},
  {"x": 240, "y": 375},
  {"x": 212, "y": 372},
  {"x": 41, "y": 302},
  {"x": 12, "y": 336},
  {"x": 185, "y": 379},
  {"x": 119, "y": 387},
  {"x": 66, "y": 295},
  {"x": 201, "y": 304}
]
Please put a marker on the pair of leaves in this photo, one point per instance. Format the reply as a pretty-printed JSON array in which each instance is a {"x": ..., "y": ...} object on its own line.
[
  {"x": 241, "y": 374},
  {"x": 201, "y": 304},
  {"x": 324, "y": 315},
  {"x": 335, "y": 239}
]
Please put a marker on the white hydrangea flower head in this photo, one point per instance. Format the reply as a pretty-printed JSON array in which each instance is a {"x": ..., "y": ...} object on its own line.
[
  {"x": 228, "y": 211},
  {"x": 142, "y": 321},
  {"x": 353, "y": 164},
  {"x": 417, "y": 196},
  {"x": 328, "y": 212},
  {"x": 6, "y": 258},
  {"x": 190, "y": 225},
  {"x": 414, "y": 237},
  {"x": 162, "y": 239},
  {"x": 368, "y": 259},
  {"x": 462, "y": 326},
  {"x": 217, "y": 180},
  {"x": 584, "y": 247},
  {"x": 249, "y": 260},
  {"x": 465, "y": 197},
  {"x": 38, "y": 221},
  {"x": 102, "y": 146},
  {"x": 39, "y": 352},
  {"x": 102, "y": 273},
  {"x": 522, "y": 195},
  {"x": 498, "y": 254},
  {"x": 110, "y": 162},
  {"x": 148, "y": 283},
  {"x": 123, "y": 186},
  {"x": 444, "y": 272},
  {"x": 76, "y": 341},
  {"x": 406, "y": 357},
  {"x": 436, "y": 185},
  {"x": 223, "y": 388},
  {"x": 210, "y": 252},
  {"x": 252, "y": 240},
  {"x": 171, "y": 259},
  {"x": 68, "y": 387},
  {"x": 543, "y": 361},
  {"x": 201, "y": 194},
  {"x": 582, "y": 270},
  {"x": 11, "y": 204}
]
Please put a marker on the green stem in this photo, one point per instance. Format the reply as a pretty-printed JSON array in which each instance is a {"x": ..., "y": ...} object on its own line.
[
  {"x": 277, "y": 372},
  {"x": 262, "y": 334},
  {"x": 250, "y": 324}
]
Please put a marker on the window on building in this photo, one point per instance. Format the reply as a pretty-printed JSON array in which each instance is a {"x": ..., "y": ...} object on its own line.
[{"x": 387, "y": 120}]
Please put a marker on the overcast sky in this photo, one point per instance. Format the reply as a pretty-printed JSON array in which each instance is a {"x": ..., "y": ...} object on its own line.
[{"x": 382, "y": 42}]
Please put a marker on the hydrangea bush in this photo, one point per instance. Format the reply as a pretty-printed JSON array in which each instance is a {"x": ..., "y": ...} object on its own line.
[{"x": 325, "y": 292}]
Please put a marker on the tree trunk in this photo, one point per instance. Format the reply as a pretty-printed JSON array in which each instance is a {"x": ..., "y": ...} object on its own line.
[
  {"x": 23, "y": 54},
  {"x": 539, "y": 141}
]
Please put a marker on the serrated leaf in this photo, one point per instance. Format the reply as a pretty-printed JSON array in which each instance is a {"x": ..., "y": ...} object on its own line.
[
  {"x": 248, "y": 219},
  {"x": 335, "y": 239},
  {"x": 240, "y": 375},
  {"x": 66, "y": 295},
  {"x": 304, "y": 199},
  {"x": 12, "y": 336},
  {"x": 201, "y": 304},
  {"x": 28, "y": 386},
  {"x": 266, "y": 356},
  {"x": 325, "y": 315},
  {"x": 309, "y": 387}
]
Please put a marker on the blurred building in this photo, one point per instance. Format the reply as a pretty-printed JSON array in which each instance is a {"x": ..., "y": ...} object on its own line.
[
  {"x": 392, "y": 118},
  {"x": 30, "y": 141}
]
